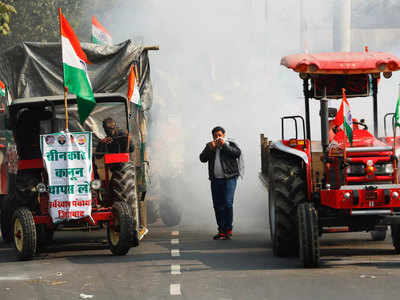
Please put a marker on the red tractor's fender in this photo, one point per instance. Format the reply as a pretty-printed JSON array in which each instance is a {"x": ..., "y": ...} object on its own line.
[
  {"x": 305, "y": 156},
  {"x": 282, "y": 147}
]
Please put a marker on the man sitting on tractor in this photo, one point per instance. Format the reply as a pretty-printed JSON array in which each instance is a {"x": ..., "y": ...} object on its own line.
[{"x": 116, "y": 140}]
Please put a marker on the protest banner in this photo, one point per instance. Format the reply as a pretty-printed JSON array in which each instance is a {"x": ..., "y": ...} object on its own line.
[{"x": 68, "y": 160}]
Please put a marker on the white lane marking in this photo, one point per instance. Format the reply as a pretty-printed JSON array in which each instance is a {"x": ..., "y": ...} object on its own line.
[
  {"x": 175, "y": 252},
  {"x": 19, "y": 278},
  {"x": 175, "y": 289},
  {"x": 175, "y": 241},
  {"x": 175, "y": 233},
  {"x": 175, "y": 269}
]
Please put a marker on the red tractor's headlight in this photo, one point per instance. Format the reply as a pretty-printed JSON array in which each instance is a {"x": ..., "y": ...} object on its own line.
[
  {"x": 384, "y": 169},
  {"x": 355, "y": 170}
]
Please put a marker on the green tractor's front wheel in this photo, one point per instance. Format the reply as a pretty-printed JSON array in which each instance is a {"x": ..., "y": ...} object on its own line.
[{"x": 24, "y": 233}]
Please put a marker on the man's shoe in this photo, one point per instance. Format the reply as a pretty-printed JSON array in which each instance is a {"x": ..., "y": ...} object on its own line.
[
  {"x": 229, "y": 232},
  {"x": 220, "y": 236}
]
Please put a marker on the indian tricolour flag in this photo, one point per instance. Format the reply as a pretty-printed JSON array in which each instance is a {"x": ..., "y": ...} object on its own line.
[
  {"x": 2, "y": 89},
  {"x": 344, "y": 119},
  {"x": 133, "y": 88},
  {"x": 76, "y": 78},
  {"x": 99, "y": 34}
]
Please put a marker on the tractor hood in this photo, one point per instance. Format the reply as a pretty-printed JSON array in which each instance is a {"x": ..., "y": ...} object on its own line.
[{"x": 361, "y": 138}]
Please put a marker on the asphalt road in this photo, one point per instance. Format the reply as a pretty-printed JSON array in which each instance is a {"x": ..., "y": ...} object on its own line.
[{"x": 353, "y": 267}]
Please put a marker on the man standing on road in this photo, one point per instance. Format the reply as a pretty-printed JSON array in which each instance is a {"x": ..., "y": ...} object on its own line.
[{"x": 223, "y": 170}]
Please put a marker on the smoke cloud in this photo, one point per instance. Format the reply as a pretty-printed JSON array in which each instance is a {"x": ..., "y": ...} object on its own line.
[{"x": 218, "y": 64}]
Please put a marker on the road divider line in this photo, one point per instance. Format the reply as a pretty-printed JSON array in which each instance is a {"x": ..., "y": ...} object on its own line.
[
  {"x": 175, "y": 252},
  {"x": 175, "y": 233},
  {"x": 175, "y": 269},
  {"x": 175, "y": 241},
  {"x": 175, "y": 289}
]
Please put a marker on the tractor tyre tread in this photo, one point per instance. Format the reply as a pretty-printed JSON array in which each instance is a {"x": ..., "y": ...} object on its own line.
[
  {"x": 308, "y": 235},
  {"x": 121, "y": 209},
  {"x": 29, "y": 233},
  {"x": 288, "y": 188}
]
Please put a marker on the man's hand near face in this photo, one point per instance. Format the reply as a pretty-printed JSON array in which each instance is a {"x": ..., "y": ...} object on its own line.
[{"x": 213, "y": 144}]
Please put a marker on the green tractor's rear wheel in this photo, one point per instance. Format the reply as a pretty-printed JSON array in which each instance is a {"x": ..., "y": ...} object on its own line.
[
  {"x": 308, "y": 235},
  {"x": 119, "y": 233},
  {"x": 24, "y": 233},
  {"x": 287, "y": 188}
]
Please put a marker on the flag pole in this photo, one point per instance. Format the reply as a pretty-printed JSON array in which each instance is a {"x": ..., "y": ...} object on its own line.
[
  {"x": 396, "y": 169},
  {"x": 65, "y": 88},
  {"x": 344, "y": 130}
]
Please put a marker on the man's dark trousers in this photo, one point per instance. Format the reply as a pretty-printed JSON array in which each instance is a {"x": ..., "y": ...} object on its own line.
[{"x": 223, "y": 192}]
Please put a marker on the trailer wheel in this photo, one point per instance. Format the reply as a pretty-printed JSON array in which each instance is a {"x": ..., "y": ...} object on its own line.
[
  {"x": 395, "y": 230},
  {"x": 119, "y": 234},
  {"x": 378, "y": 235},
  {"x": 24, "y": 233},
  {"x": 123, "y": 189},
  {"x": 308, "y": 235},
  {"x": 287, "y": 189}
]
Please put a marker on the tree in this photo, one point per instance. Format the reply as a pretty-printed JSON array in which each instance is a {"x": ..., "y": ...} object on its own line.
[
  {"x": 37, "y": 21},
  {"x": 5, "y": 17}
]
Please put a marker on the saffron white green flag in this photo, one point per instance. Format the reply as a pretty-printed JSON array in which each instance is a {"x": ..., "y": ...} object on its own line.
[
  {"x": 76, "y": 78},
  {"x": 344, "y": 119},
  {"x": 2, "y": 89},
  {"x": 133, "y": 88},
  {"x": 397, "y": 114},
  {"x": 99, "y": 34}
]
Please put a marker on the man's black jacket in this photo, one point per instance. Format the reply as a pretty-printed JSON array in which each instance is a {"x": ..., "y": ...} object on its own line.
[{"x": 229, "y": 154}]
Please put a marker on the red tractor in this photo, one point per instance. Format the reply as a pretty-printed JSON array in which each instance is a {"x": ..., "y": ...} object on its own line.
[{"x": 332, "y": 185}]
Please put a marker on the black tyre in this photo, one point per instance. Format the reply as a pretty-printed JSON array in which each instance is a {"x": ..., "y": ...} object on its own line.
[
  {"x": 170, "y": 213},
  {"x": 308, "y": 235},
  {"x": 123, "y": 189},
  {"x": 395, "y": 230},
  {"x": 287, "y": 188},
  {"x": 119, "y": 234},
  {"x": 24, "y": 233},
  {"x": 6, "y": 214},
  {"x": 378, "y": 235}
]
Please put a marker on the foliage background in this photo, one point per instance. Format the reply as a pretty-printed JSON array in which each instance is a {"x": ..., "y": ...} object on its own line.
[{"x": 37, "y": 21}]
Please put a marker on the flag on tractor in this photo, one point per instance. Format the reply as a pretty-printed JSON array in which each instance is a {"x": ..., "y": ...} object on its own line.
[
  {"x": 397, "y": 113},
  {"x": 2, "y": 89},
  {"x": 76, "y": 78},
  {"x": 9, "y": 98},
  {"x": 133, "y": 88},
  {"x": 100, "y": 35},
  {"x": 344, "y": 119}
]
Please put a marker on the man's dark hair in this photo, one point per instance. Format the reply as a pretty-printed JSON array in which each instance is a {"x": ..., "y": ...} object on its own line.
[{"x": 216, "y": 129}]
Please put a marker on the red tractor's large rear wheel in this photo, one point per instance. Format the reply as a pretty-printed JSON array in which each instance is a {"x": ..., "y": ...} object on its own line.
[
  {"x": 308, "y": 235},
  {"x": 287, "y": 188}
]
